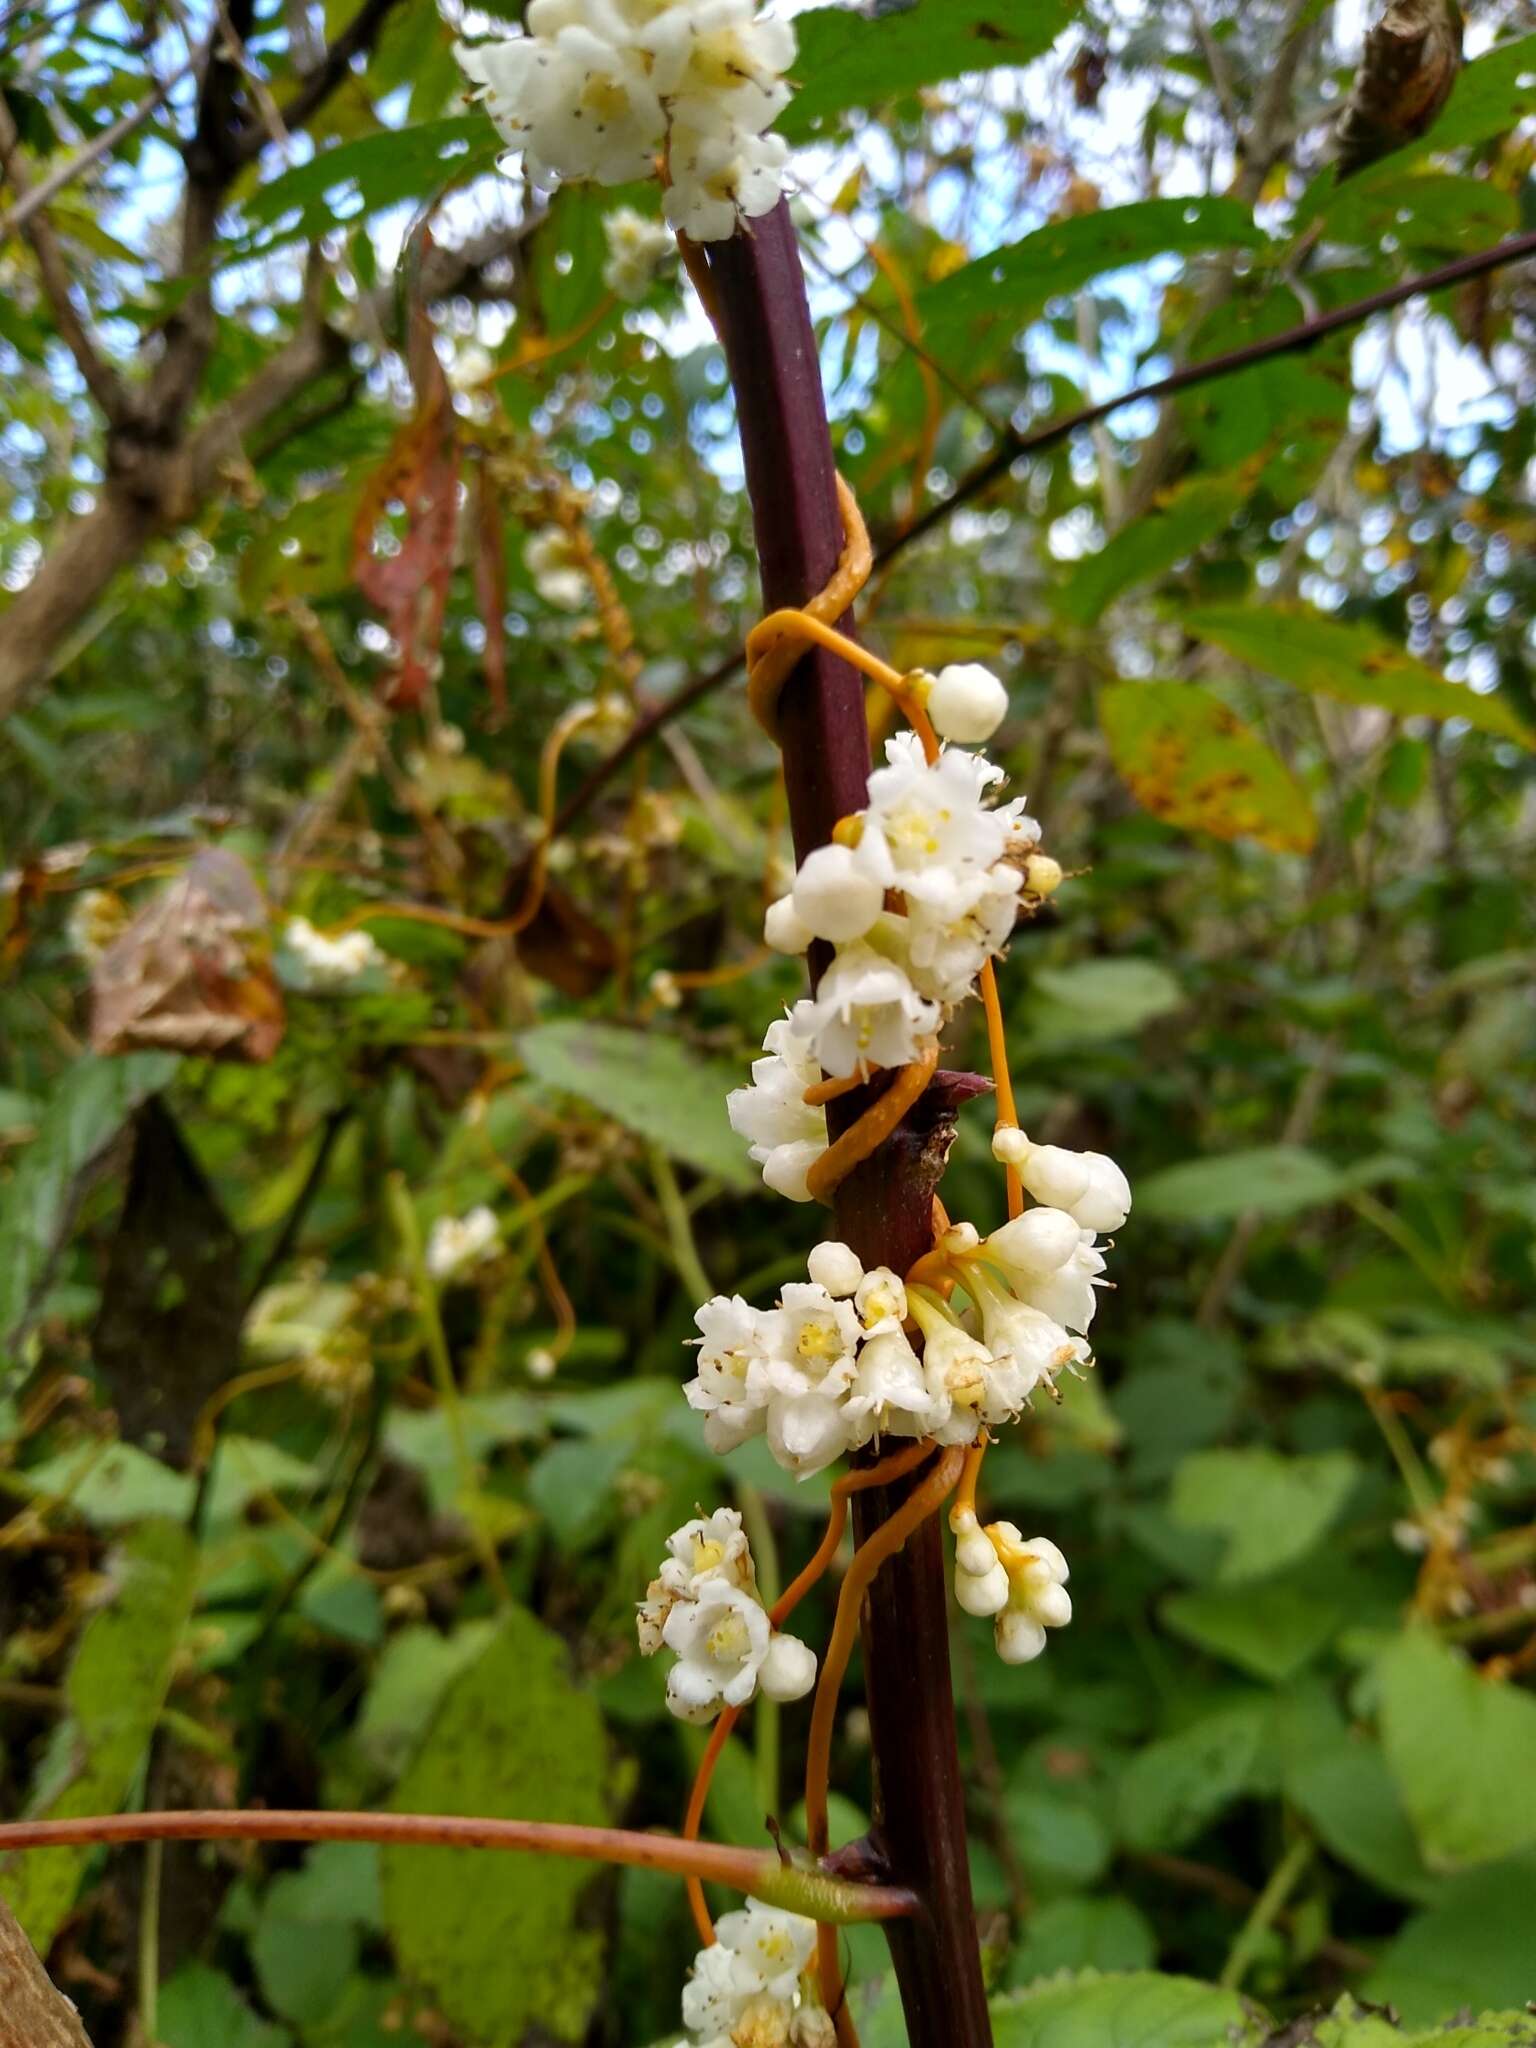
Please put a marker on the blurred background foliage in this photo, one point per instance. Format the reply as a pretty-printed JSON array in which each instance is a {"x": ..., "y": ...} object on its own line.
[{"x": 291, "y": 1520}]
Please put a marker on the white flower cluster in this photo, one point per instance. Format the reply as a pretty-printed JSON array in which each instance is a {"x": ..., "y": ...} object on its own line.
[
  {"x": 600, "y": 89},
  {"x": 637, "y": 249},
  {"x": 456, "y": 1244},
  {"x": 329, "y": 963},
  {"x": 753, "y": 1987},
  {"x": 703, "y": 1606},
  {"x": 554, "y": 563},
  {"x": 1023, "y": 1586}
]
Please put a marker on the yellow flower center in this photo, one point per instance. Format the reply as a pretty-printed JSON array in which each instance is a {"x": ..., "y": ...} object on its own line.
[{"x": 729, "y": 1641}]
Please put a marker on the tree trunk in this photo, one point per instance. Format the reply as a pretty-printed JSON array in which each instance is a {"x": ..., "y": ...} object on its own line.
[
  {"x": 883, "y": 1209},
  {"x": 32, "y": 2013}
]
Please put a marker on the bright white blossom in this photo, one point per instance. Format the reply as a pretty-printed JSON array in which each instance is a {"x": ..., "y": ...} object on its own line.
[
  {"x": 928, "y": 829},
  {"x": 329, "y": 963},
  {"x": 835, "y": 896},
  {"x": 458, "y": 1243},
  {"x": 554, "y": 563},
  {"x": 1087, "y": 1184},
  {"x": 728, "y": 1390},
  {"x": 753, "y": 1987},
  {"x": 836, "y": 1267},
  {"x": 704, "y": 1606},
  {"x": 1037, "y": 1593},
  {"x": 637, "y": 249},
  {"x": 782, "y": 928},
  {"x": 865, "y": 1013},
  {"x": 966, "y": 702},
  {"x": 605, "y": 89},
  {"x": 981, "y": 1583},
  {"x": 785, "y": 1135}
]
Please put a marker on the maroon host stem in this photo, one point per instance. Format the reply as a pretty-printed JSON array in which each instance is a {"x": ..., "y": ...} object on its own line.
[{"x": 884, "y": 1208}]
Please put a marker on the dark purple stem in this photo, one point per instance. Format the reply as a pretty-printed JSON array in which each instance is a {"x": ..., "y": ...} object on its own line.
[{"x": 884, "y": 1208}]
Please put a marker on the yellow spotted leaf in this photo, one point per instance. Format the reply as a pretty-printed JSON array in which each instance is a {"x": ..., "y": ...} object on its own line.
[{"x": 1189, "y": 761}]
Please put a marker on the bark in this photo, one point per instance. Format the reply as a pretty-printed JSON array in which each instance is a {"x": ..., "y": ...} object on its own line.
[
  {"x": 32, "y": 2013},
  {"x": 883, "y": 1209}
]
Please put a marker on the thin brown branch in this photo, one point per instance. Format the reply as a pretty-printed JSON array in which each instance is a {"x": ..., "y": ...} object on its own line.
[
  {"x": 334, "y": 66},
  {"x": 101, "y": 144},
  {"x": 764, "y": 1873},
  {"x": 1014, "y": 445},
  {"x": 32, "y": 2013},
  {"x": 103, "y": 382}
]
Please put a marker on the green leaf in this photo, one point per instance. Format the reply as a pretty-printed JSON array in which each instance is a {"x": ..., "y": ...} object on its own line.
[
  {"x": 1350, "y": 661},
  {"x": 112, "y": 1487},
  {"x": 93, "y": 1101},
  {"x": 1273, "y": 1510},
  {"x": 201, "y": 2009},
  {"x": 649, "y": 1083},
  {"x": 114, "y": 1691},
  {"x": 1270, "y": 1634},
  {"x": 1019, "y": 281},
  {"x": 1272, "y": 1180},
  {"x": 1083, "y": 1934},
  {"x": 1460, "y": 1747},
  {"x": 845, "y": 59},
  {"x": 1470, "y": 1949},
  {"x": 1060, "y": 1841},
  {"x": 1191, "y": 762},
  {"x": 1346, "y": 1791},
  {"x": 356, "y": 179},
  {"x": 1352, "y": 2025},
  {"x": 303, "y": 1960},
  {"x": 414, "y": 1671},
  {"x": 1099, "y": 999},
  {"x": 1180, "y": 522},
  {"x": 500, "y": 1950},
  {"x": 1137, "y": 2010},
  {"x": 1173, "y": 1789}
]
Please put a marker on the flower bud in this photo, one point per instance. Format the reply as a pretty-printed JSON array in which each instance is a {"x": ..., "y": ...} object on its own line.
[
  {"x": 1038, "y": 1242},
  {"x": 1042, "y": 875},
  {"x": 967, "y": 703},
  {"x": 833, "y": 895},
  {"x": 1010, "y": 1147},
  {"x": 836, "y": 1267},
  {"x": 789, "y": 1669},
  {"x": 783, "y": 929}
]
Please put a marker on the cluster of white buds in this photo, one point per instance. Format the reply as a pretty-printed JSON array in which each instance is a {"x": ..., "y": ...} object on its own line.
[
  {"x": 638, "y": 247},
  {"x": 1022, "y": 1586},
  {"x": 703, "y": 1606},
  {"x": 603, "y": 89},
  {"x": 785, "y": 1134},
  {"x": 554, "y": 563},
  {"x": 457, "y": 1244},
  {"x": 754, "y": 1986},
  {"x": 324, "y": 963},
  {"x": 917, "y": 892}
]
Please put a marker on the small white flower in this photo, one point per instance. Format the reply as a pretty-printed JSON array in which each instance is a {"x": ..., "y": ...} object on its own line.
[
  {"x": 1088, "y": 1184},
  {"x": 775, "y": 1945},
  {"x": 966, "y": 702},
  {"x": 722, "y": 1639},
  {"x": 456, "y": 1243},
  {"x": 891, "y": 1394},
  {"x": 836, "y": 1267},
  {"x": 1037, "y": 1593},
  {"x": 721, "y": 175},
  {"x": 783, "y": 929},
  {"x": 555, "y": 566},
  {"x": 709, "y": 1547},
  {"x": 1068, "y": 1295},
  {"x": 881, "y": 1297},
  {"x": 727, "y": 1390},
  {"x": 785, "y": 1135},
  {"x": 716, "y": 1994},
  {"x": 927, "y": 829},
  {"x": 1021, "y": 1335},
  {"x": 1038, "y": 1243},
  {"x": 717, "y": 54},
  {"x": 809, "y": 1371},
  {"x": 946, "y": 954},
  {"x": 981, "y": 1583},
  {"x": 638, "y": 247},
  {"x": 329, "y": 963},
  {"x": 835, "y": 897},
  {"x": 789, "y": 1669},
  {"x": 865, "y": 1014}
]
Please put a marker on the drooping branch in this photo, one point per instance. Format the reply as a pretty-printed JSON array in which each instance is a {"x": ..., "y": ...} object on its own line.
[
  {"x": 1014, "y": 445},
  {"x": 777, "y": 1879}
]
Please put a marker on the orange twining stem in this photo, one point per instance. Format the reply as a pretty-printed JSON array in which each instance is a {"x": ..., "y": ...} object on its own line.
[
  {"x": 770, "y": 660},
  {"x": 925, "y": 1499},
  {"x": 874, "y": 1126},
  {"x": 1002, "y": 1081},
  {"x": 894, "y": 1467},
  {"x": 795, "y": 629},
  {"x": 829, "y": 1091}
]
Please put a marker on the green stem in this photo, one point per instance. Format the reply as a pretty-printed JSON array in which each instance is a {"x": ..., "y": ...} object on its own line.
[
  {"x": 402, "y": 1214},
  {"x": 1266, "y": 1909},
  {"x": 674, "y": 1213},
  {"x": 149, "y": 1943}
]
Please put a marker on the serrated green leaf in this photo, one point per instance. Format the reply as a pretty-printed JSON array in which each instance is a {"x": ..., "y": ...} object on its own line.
[
  {"x": 1353, "y": 662},
  {"x": 499, "y": 1948},
  {"x": 1460, "y": 1748},
  {"x": 1137, "y": 2010},
  {"x": 1191, "y": 762},
  {"x": 649, "y": 1083},
  {"x": 845, "y": 59},
  {"x": 114, "y": 1691},
  {"x": 91, "y": 1104},
  {"x": 1273, "y": 1180}
]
